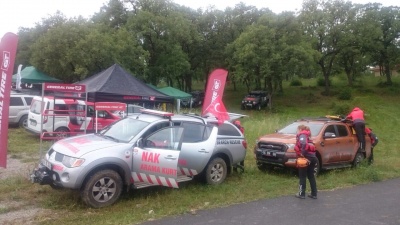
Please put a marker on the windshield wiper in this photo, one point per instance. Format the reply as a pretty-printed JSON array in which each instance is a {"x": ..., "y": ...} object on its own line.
[{"x": 111, "y": 137}]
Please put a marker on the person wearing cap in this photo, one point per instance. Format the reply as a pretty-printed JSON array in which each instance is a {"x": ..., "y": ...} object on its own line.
[
  {"x": 358, "y": 122},
  {"x": 304, "y": 148}
]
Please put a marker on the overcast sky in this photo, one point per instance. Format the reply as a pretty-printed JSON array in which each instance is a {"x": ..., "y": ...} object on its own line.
[{"x": 25, "y": 13}]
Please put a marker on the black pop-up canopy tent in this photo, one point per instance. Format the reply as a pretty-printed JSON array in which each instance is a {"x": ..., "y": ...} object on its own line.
[{"x": 117, "y": 85}]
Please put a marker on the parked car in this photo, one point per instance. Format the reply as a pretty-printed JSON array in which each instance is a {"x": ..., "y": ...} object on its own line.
[
  {"x": 19, "y": 109},
  {"x": 147, "y": 149},
  {"x": 335, "y": 141},
  {"x": 255, "y": 100},
  {"x": 196, "y": 100},
  {"x": 129, "y": 110},
  {"x": 66, "y": 117}
]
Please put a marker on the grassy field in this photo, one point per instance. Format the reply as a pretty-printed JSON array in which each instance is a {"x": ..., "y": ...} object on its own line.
[{"x": 382, "y": 108}]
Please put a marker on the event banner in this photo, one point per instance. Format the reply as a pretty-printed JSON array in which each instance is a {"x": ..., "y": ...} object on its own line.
[
  {"x": 8, "y": 49},
  {"x": 213, "y": 97},
  {"x": 110, "y": 106}
]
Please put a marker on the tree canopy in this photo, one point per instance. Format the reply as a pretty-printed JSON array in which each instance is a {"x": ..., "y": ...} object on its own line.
[{"x": 158, "y": 40}]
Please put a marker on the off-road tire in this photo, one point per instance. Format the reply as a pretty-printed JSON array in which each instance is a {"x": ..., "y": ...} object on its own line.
[
  {"x": 64, "y": 132},
  {"x": 317, "y": 168},
  {"x": 102, "y": 189},
  {"x": 23, "y": 122},
  {"x": 358, "y": 159},
  {"x": 216, "y": 171}
]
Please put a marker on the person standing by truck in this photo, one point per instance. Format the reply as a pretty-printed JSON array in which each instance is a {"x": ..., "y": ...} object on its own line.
[
  {"x": 305, "y": 149},
  {"x": 358, "y": 121},
  {"x": 374, "y": 142}
]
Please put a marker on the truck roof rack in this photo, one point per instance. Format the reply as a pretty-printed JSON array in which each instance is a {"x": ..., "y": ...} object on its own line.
[{"x": 157, "y": 113}]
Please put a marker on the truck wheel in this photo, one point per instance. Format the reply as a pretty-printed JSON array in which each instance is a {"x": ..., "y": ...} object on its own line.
[
  {"x": 358, "y": 159},
  {"x": 23, "y": 122},
  {"x": 216, "y": 171},
  {"x": 317, "y": 168},
  {"x": 102, "y": 189},
  {"x": 64, "y": 132}
]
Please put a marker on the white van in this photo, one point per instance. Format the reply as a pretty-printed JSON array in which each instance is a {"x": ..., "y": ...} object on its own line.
[{"x": 65, "y": 117}]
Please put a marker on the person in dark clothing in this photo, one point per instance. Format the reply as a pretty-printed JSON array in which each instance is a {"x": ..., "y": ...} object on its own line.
[
  {"x": 357, "y": 118},
  {"x": 241, "y": 128},
  {"x": 374, "y": 142},
  {"x": 305, "y": 148}
]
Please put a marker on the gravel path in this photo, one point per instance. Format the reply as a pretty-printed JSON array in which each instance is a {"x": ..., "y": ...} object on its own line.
[{"x": 17, "y": 212}]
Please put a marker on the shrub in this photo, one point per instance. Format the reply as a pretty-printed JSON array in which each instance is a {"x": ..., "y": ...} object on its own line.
[
  {"x": 345, "y": 94},
  {"x": 340, "y": 109},
  {"x": 296, "y": 82}
]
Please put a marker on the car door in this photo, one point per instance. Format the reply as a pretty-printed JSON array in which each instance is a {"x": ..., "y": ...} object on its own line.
[
  {"x": 329, "y": 145},
  {"x": 155, "y": 161},
  {"x": 16, "y": 106},
  {"x": 197, "y": 148},
  {"x": 346, "y": 143}
]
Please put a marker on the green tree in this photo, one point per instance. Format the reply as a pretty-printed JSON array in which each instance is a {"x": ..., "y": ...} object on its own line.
[
  {"x": 386, "y": 51},
  {"x": 113, "y": 15},
  {"x": 325, "y": 23}
]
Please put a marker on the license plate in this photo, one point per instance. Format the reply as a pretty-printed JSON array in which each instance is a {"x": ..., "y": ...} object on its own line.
[
  {"x": 47, "y": 164},
  {"x": 267, "y": 153}
]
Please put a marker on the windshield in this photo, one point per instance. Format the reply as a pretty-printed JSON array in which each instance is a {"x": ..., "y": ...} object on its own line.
[
  {"x": 292, "y": 128},
  {"x": 124, "y": 130}
]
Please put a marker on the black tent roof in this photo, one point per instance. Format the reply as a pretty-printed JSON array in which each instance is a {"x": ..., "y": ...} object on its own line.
[{"x": 117, "y": 85}]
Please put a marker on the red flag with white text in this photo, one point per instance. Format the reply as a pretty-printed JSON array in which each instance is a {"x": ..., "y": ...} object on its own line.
[
  {"x": 8, "y": 49},
  {"x": 213, "y": 97}
]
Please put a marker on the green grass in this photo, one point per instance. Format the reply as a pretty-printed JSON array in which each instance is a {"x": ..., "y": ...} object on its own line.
[{"x": 381, "y": 106}]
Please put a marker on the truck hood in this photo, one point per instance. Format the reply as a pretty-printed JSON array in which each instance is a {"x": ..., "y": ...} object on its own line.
[
  {"x": 278, "y": 138},
  {"x": 80, "y": 145}
]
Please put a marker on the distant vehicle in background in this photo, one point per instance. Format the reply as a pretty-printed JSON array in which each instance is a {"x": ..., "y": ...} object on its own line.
[
  {"x": 19, "y": 109},
  {"x": 196, "y": 100},
  {"x": 255, "y": 100},
  {"x": 130, "y": 109}
]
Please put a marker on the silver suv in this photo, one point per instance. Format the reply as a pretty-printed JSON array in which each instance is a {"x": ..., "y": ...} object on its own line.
[
  {"x": 19, "y": 109},
  {"x": 144, "y": 149}
]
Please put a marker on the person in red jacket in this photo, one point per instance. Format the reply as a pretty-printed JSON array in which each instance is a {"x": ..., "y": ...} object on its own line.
[
  {"x": 305, "y": 148},
  {"x": 238, "y": 125},
  {"x": 357, "y": 118}
]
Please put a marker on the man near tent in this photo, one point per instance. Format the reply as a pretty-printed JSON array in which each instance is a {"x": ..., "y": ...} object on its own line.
[{"x": 357, "y": 118}]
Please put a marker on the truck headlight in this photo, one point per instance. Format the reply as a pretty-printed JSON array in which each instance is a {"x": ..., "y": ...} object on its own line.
[{"x": 72, "y": 162}]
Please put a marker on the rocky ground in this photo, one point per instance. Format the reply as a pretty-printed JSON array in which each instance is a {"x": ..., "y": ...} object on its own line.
[{"x": 17, "y": 212}]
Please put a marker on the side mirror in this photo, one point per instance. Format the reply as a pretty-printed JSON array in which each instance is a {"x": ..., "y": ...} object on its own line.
[{"x": 329, "y": 135}]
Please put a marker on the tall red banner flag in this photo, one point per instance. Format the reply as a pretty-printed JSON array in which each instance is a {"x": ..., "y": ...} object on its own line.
[
  {"x": 213, "y": 97},
  {"x": 8, "y": 49}
]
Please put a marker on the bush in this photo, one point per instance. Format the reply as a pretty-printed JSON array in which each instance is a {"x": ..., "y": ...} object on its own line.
[
  {"x": 296, "y": 82},
  {"x": 321, "y": 82},
  {"x": 340, "y": 109},
  {"x": 345, "y": 94}
]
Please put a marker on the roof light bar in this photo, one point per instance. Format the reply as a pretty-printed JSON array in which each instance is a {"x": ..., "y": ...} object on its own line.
[{"x": 156, "y": 112}]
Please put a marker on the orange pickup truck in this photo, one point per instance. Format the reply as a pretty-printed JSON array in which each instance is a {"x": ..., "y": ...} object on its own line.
[{"x": 335, "y": 141}]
